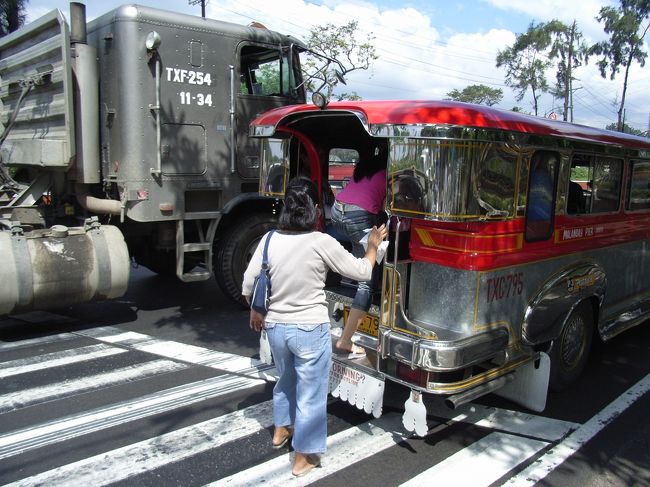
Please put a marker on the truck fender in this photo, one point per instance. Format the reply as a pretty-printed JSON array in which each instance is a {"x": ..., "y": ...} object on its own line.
[{"x": 548, "y": 310}]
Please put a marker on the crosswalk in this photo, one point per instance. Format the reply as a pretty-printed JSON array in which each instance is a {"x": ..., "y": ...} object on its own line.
[{"x": 106, "y": 406}]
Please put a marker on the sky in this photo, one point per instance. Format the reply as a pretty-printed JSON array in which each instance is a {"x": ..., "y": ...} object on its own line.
[{"x": 427, "y": 48}]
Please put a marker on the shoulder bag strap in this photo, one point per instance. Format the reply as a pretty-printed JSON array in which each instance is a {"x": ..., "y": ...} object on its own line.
[{"x": 265, "y": 255}]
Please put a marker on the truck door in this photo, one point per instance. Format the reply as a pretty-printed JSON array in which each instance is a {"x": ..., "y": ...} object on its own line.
[{"x": 266, "y": 78}]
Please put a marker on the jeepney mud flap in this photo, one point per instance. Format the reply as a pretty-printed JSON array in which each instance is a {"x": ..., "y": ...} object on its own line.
[
  {"x": 530, "y": 386},
  {"x": 361, "y": 387},
  {"x": 415, "y": 414}
]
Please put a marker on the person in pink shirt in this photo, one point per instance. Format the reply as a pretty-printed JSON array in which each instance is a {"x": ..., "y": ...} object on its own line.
[{"x": 356, "y": 210}]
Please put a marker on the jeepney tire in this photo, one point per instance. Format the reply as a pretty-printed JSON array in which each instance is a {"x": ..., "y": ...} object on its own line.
[
  {"x": 570, "y": 350},
  {"x": 234, "y": 252}
]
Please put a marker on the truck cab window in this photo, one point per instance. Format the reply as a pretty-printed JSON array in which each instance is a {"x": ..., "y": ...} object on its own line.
[{"x": 265, "y": 72}]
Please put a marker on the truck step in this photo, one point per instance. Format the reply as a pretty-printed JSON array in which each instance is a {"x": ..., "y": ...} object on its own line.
[{"x": 196, "y": 275}]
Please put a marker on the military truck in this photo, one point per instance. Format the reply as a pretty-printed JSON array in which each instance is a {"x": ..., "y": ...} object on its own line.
[{"x": 124, "y": 140}]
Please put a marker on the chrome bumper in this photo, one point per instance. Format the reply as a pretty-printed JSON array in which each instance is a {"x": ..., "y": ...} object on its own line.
[{"x": 442, "y": 356}]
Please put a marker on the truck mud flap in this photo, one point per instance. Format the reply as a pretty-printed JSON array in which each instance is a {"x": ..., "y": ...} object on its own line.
[{"x": 359, "y": 386}]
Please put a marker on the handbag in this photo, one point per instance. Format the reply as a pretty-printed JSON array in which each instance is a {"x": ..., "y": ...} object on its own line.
[{"x": 262, "y": 283}]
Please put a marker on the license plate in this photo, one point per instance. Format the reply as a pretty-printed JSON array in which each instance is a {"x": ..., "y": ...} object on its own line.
[{"x": 369, "y": 325}]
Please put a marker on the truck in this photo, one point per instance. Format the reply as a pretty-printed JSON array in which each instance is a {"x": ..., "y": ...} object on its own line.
[{"x": 125, "y": 140}]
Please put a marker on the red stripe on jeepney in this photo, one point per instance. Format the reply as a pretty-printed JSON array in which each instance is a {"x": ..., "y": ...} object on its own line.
[{"x": 489, "y": 245}]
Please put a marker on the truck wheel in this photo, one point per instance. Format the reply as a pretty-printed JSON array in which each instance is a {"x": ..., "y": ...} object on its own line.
[
  {"x": 234, "y": 253},
  {"x": 570, "y": 350}
]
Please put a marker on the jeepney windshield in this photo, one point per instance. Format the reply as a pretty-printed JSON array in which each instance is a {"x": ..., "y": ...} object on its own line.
[
  {"x": 452, "y": 180},
  {"x": 275, "y": 167}
]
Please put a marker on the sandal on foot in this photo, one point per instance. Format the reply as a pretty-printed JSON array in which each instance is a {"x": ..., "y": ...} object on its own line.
[
  {"x": 313, "y": 461},
  {"x": 284, "y": 441}
]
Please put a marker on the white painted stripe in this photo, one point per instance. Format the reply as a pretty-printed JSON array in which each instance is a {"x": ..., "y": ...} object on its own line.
[
  {"x": 37, "y": 436},
  {"x": 480, "y": 464},
  {"x": 552, "y": 459},
  {"x": 343, "y": 449},
  {"x": 547, "y": 429},
  {"x": 6, "y": 346},
  {"x": 36, "y": 395},
  {"x": 57, "y": 359},
  {"x": 123, "y": 463},
  {"x": 180, "y": 351}
]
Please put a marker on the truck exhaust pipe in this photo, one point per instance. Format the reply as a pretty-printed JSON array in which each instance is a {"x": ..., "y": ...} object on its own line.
[{"x": 464, "y": 397}]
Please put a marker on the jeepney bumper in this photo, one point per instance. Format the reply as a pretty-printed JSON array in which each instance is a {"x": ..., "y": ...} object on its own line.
[{"x": 442, "y": 356}]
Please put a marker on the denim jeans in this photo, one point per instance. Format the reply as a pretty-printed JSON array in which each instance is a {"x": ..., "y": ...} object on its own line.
[
  {"x": 303, "y": 358},
  {"x": 352, "y": 224}
]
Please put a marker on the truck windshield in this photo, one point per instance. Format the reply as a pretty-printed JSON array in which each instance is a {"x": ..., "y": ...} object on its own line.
[{"x": 267, "y": 72}]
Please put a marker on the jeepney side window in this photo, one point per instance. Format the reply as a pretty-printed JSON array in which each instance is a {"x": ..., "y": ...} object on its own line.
[
  {"x": 340, "y": 167},
  {"x": 275, "y": 167},
  {"x": 496, "y": 181},
  {"x": 638, "y": 195},
  {"x": 606, "y": 191},
  {"x": 541, "y": 195}
]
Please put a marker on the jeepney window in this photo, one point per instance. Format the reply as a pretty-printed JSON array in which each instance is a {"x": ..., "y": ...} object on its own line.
[
  {"x": 607, "y": 185},
  {"x": 541, "y": 195},
  {"x": 638, "y": 195},
  {"x": 442, "y": 179},
  {"x": 275, "y": 166},
  {"x": 341, "y": 167},
  {"x": 594, "y": 185},
  {"x": 495, "y": 182},
  {"x": 265, "y": 72}
]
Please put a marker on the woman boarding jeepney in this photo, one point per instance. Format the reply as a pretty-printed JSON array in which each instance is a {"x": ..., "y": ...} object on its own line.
[{"x": 297, "y": 322}]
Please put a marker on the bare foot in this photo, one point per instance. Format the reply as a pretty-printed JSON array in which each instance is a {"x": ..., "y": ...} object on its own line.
[{"x": 304, "y": 463}]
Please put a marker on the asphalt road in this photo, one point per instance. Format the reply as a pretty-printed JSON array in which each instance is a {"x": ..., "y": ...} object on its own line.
[{"x": 156, "y": 388}]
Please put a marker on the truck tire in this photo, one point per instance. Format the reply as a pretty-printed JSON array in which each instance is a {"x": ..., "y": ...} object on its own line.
[
  {"x": 570, "y": 350},
  {"x": 235, "y": 250}
]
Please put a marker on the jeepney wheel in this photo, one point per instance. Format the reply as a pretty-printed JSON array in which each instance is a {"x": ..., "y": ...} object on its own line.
[
  {"x": 570, "y": 350},
  {"x": 235, "y": 251}
]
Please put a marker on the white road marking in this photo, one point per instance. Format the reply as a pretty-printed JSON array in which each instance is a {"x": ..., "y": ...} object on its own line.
[
  {"x": 481, "y": 463},
  {"x": 180, "y": 351},
  {"x": 525, "y": 424},
  {"x": 57, "y": 359},
  {"x": 343, "y": 449},
  {"x": 554, "y": 458},
  {"x": 7, "y": 346},
  {"x": 123, "y": 463},
  {"x": 29, "y": 397},
  {"x": 62, "y": 429}
]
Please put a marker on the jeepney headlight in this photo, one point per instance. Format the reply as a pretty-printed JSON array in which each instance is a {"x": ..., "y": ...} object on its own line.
[{"x": 318, "y": 99}]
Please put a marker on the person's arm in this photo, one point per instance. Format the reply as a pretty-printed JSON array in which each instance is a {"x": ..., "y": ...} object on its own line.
[{"x": 337, "y": 258}]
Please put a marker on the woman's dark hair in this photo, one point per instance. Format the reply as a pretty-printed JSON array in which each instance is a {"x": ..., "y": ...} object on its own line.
[
  {"x": 299, "y": 212},
  {"x": 371, "y": 161}
]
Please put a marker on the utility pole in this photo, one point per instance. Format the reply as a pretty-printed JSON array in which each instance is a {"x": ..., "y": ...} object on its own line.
[{"x": 202, "y": 2}]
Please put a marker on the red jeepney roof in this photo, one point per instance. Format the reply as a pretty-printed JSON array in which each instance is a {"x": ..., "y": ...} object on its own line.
[{"x": 405, "y": 112}]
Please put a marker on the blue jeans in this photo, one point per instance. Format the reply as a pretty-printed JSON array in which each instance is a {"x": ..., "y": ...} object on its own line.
[
  {"x": 352, "y": 223},
  {"x": 303, "y": 358}
]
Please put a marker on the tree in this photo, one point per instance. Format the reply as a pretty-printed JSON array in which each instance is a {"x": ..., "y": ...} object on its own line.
[
  {"x": 12, "y": 15},
  {"x": 627, "y": 129},
  {"x": 524, "y": 64},
  {"x": 625, "y": 45},
  {"x": 567, "y": 46},
  {"x": 341, "y": 44},
  {"x": 480, "y": 94}
]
